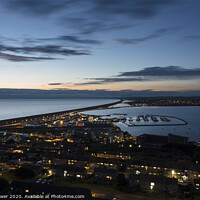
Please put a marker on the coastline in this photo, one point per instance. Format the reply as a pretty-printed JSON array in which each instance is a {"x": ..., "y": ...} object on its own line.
[{"x": 11, "y": 121}]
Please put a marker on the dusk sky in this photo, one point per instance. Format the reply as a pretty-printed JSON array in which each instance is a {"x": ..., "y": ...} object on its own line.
[{"x": 139, "y": 45}]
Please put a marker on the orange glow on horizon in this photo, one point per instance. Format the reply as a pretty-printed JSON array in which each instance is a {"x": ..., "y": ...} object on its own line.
[{"x": 135, "y": 86}]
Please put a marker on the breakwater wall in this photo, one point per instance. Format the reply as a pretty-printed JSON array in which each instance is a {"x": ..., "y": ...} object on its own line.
[{"x": 52, "y": 115}]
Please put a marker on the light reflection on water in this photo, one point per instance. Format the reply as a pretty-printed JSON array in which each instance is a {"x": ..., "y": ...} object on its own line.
[{"x": 190, "y": 114}]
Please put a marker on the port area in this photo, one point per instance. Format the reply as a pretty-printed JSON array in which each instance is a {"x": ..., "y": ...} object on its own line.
[
  {"x": 152, "y": 120},
  {"x": 129, "y": 119}
]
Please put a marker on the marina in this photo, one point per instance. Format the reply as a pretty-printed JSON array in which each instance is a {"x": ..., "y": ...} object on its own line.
[
  {"x": 141, "y": 120},
  {"x": 153, "y": 120}
]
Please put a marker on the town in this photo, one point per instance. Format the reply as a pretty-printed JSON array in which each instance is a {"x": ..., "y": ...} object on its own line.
[
  {"x": 165, "y": 101},
  {"x": 94, "y": 157}
]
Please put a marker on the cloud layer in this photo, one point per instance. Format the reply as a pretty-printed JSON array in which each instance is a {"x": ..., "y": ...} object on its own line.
[
  {"x": 83, "y": 17},
  {"x": 93, "y": 15},
  {"x": 55, "y": 84},
  {"x": 17, "y": 58},
  {"x": 22, "y": 53},
  {"x": 71, "y": 39},
  {"x": 149, "y": 74},
  {"x": 169, "y": 71},
  {"x": 155, "y": 34},
  {"x": 36, "y": 7}
]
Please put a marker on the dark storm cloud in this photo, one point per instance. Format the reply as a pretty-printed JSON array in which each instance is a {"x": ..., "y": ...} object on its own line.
[
  {"x": 156, "y": 34},
  {"x": 149, "y": 74},
  {"x": 16, "y": 58},
  {"x": 50, "y": 50},
  {"x": 67, "y": 93},
  {"x": 169, "y": 71}
]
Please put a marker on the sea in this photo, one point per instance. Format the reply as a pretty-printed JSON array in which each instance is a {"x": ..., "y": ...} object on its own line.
[
  {"x": 190, "y": 114},
  {"x": 12, "y": 108}
]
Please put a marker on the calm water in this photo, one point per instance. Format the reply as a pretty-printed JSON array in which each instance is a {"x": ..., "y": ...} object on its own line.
[
  {"x": 191, "y": 114},
  {"x": 11, "y": 108}
]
